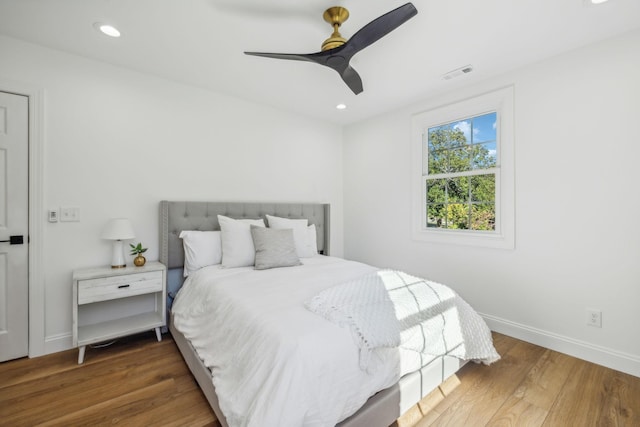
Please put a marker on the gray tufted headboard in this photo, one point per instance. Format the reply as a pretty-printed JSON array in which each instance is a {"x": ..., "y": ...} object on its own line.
[{"x": 203, "y": 216}]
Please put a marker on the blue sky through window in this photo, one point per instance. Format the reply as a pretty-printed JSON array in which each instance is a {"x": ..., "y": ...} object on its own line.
[{"x": 478, "y": 130}]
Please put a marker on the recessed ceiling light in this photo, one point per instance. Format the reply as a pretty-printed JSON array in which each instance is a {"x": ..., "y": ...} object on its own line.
[
  {"x": 597, "y": 1},
  {"x": 341, "y": 106},
  {"x": 107, "y": 29}
]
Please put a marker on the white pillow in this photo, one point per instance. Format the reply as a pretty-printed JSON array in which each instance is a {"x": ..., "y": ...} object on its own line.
[
  {"x": 312, "y": 242},
  {"x": 299, "y": 227},
  {"x": 237, "y": 244},
  {"x": 305, "y": 245},
  {"x": 201, "y": 249}
]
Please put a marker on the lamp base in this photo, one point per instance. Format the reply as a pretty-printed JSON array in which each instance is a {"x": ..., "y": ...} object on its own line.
[{"x": 117, "y": 259}]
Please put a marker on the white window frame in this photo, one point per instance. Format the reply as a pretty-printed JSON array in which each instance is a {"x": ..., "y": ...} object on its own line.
[{"x": 502, "y": 102}]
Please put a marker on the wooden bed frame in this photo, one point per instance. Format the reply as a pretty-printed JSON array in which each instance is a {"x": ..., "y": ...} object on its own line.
[{"x": 384, "y": 407}]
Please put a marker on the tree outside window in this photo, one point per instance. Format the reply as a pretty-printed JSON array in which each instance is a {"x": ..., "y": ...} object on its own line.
[{"x": 461, "y": 159}]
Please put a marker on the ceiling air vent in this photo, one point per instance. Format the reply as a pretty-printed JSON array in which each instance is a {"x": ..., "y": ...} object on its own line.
[{"x": 458, "y": 72}]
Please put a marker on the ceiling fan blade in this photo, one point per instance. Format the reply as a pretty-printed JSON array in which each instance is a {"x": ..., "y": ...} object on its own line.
[
  {"x": 291, "y": 56},
  {"x": 378, "y": 28},
  {"x": 348, "y": 74},
  {"x": 352, "y": 79}
]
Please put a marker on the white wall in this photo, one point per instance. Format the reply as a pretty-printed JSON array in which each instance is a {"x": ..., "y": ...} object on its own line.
[
  {"x": 577, "y": 206},
  {"x": 116, "y": 142}
]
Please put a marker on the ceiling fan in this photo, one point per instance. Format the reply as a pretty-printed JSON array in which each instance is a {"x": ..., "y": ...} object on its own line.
[{"x": 337, "y": 52}]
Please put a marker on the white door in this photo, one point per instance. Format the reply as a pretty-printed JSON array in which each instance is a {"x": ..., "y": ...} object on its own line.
[{"x": 14, "y": 221}]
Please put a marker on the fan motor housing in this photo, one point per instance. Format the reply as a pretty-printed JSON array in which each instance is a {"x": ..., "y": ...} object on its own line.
[{"x": 335, "y": 16}]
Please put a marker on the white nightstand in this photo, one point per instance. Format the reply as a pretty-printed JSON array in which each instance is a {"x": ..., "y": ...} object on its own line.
[{"x": 110, "y": 303}]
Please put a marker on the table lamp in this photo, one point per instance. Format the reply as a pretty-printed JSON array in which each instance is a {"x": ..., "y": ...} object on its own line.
[{"x": 118, "y": 229}]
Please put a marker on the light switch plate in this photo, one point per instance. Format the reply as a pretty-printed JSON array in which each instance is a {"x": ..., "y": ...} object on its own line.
[{"x": 69, "y": 214}]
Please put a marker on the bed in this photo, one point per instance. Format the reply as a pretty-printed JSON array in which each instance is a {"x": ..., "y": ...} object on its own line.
[{"x": 383, "y": 407}]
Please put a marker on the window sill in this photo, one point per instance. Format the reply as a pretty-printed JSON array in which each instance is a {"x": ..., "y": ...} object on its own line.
[{"x": 465, "y": 238}]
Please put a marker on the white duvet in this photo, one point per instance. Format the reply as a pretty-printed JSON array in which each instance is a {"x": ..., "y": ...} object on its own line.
[{"x": 273, "y": 362}]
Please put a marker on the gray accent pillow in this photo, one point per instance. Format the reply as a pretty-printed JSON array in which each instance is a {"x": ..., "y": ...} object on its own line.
[{"x": 274, "y": 248}]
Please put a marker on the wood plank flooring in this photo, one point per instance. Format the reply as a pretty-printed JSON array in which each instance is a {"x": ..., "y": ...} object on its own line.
[
  {"x": 141, "y": 382},
  {"x": 531, "y": 386},
  {"x": 137, "y": 381}
]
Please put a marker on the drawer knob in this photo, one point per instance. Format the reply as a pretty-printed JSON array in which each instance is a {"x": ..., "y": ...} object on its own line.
[{"x": 123, "y": 286}]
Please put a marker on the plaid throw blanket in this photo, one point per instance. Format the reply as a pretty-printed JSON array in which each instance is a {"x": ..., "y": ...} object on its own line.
[{"x": 391, "y": 309}]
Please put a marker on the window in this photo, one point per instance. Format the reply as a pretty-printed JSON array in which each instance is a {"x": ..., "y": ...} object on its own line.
[
  {"x": 459, "y": 160},
  {"x": 464, "y": 172}
]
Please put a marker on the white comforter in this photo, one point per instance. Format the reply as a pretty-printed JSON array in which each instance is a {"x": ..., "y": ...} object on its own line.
[{"x": 273, "y": 362}]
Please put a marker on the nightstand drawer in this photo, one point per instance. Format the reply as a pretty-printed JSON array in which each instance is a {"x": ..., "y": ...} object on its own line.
[{"x": 108, "y": 288}]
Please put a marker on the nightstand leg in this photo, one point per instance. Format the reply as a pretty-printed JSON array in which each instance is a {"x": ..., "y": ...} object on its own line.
[
  {"x": 158, "y": 335},
  {"x": 81, "y": 354}
]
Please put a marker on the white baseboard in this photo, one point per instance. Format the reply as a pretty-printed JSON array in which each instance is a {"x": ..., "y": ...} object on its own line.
[
  {"x": 56, "y": 343},
  {"x": 624, "y": 362}
]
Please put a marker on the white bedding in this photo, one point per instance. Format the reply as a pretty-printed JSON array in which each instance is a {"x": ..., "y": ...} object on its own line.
[{"x": 273, "y": 362}]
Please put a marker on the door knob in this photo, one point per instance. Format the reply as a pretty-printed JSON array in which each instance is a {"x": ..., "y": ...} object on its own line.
[{"x": 14, "y": 240}]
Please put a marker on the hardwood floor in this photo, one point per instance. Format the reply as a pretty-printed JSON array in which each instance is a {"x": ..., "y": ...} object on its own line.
[
  {"x": 139, "y": 381},
  {"x": 531, "y": 386}
]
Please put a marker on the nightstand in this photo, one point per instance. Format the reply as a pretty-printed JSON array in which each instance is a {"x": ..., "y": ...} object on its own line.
[{"x": 109, "y": 303}]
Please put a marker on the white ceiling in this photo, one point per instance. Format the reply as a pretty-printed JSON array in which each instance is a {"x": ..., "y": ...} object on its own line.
[{"x": 201, "y": 42}]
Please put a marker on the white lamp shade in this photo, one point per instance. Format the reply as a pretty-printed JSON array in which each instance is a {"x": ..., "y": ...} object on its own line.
[{"x": 118, "y": 229}]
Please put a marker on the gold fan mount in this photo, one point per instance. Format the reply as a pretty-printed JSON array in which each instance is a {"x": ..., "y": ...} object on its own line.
[{"x": 335, "y": 16}]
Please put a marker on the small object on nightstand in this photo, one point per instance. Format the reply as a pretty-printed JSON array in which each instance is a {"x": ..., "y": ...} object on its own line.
[
  {"x": 138, "y": 250},
  {"x": 109, "y": 303},
  {"x": 118, "y": 229}
]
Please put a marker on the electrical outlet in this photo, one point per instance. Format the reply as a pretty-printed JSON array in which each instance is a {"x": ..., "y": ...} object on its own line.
[{"x": 594, "y": 317}]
